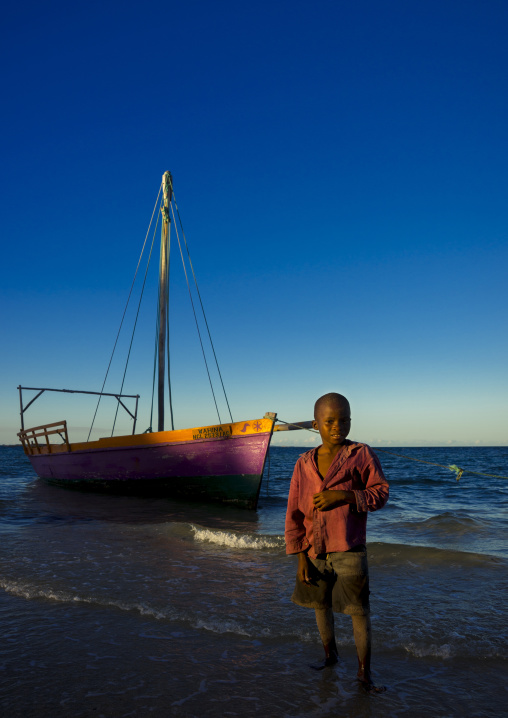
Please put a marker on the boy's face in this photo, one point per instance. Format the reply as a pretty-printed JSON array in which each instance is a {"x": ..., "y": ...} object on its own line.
[{"x": 333, "y": 421}]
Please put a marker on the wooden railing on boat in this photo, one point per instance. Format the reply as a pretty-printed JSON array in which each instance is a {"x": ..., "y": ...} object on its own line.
[
  {"x": 41, "y": 391},
  {"x": 29, "y": 437}
]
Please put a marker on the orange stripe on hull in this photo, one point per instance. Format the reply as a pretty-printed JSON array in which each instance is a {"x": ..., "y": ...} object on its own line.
[{"x": 213, "y": 431}]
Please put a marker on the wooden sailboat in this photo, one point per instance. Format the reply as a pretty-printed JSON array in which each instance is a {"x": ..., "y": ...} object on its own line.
[{"x": 222, "y": 462}]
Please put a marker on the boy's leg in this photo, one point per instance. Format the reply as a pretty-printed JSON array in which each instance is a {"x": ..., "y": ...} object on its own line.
[
  {"x": 362, "y": 634},
  {"x": 326, "y": 628},
  {"x": 318, "y": 593}
]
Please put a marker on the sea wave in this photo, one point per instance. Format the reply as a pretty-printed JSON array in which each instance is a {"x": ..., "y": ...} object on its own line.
[
  {"x": 486, "y": 647},
  {"x": 237, "y": 540},
  {"x": 286, "y": 629},
  {"x": 445, "y": 651},
  {"x": 379, "y": 551},
  {"x": 31, "y": 592},
  {"x": 447, "y": 522},
  {"x": 212, "y": 623},
  {"x": 398, "y": 554}
]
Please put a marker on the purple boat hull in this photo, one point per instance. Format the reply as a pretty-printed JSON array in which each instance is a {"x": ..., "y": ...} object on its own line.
[{"x": 227, "y": 469}]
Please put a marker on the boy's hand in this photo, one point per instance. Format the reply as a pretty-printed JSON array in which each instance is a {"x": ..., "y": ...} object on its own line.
[
  {"x": 325, "y": 500},
  {"x": 303, "y": 571}
]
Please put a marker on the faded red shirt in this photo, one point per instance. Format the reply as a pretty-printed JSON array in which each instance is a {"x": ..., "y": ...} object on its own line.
[{"x": 357, "y": 469}]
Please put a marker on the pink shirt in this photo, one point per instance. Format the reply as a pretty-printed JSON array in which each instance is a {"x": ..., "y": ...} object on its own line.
[{"x": 355, "y": 468}]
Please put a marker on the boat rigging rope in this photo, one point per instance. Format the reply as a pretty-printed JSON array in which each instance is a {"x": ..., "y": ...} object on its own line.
[
  {"x": 195, "y": 317},
  {"x": 200, "y": 301},
  {"x": 452, "y": 467},
  {"x": 136, "y": 319},
  {"x": 124, "y": 312}
]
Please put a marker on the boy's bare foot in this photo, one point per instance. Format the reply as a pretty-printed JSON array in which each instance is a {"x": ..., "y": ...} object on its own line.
[
  {"x": 331, "y": 657},
  {"x": 371, "y": 688},
  {"x": 329, "y": 661},
  {"x": 366, "y": 683}
]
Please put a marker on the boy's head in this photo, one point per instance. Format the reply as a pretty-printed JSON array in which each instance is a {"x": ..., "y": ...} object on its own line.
[{"x": 332, "y": 418}]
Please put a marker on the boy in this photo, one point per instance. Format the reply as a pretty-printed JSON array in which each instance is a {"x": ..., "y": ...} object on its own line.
[{"x": 332, "y": 489}]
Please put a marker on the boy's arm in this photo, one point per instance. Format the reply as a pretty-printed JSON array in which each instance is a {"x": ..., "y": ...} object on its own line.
[
  {"x": 296, "y": 540},
  {"x": 375, "y": 494}
]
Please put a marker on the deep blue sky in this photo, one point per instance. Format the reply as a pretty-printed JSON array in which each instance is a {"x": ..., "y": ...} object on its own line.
[{"x": 341, "y": 171}]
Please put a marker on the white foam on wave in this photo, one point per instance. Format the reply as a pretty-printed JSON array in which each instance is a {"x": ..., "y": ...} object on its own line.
[
  {"x": 477, "y": 649},
  {"x": 32, "y": 592},
  {"x": 444, "y": 651},
  {"x": 234, "y": 540},
  {"x": 212, "y": 623}
]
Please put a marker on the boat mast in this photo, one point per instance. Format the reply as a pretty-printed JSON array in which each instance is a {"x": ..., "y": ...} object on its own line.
[{"x": 167, "y": 188}]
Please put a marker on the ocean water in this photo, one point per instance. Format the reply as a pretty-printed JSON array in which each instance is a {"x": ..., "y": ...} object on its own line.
[{"x": 124, "y": 606}]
